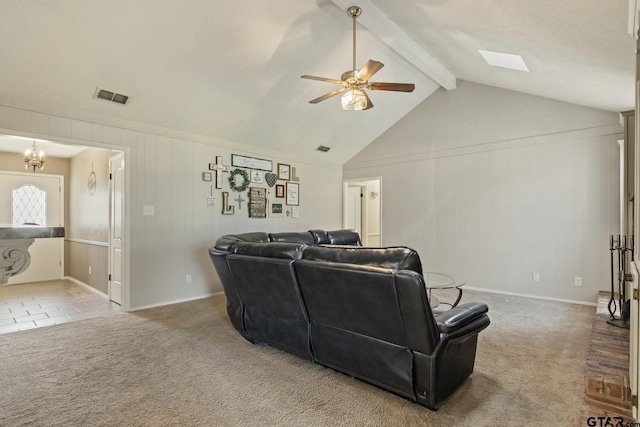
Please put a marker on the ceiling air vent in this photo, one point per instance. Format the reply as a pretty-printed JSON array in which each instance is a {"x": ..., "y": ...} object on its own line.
[
  {"x": 111, "y": 96},
  {"x": 323, "y": 148}
]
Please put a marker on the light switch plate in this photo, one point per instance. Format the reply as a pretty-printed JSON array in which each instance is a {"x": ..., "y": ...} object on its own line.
[{"x": 148, "y": 210}]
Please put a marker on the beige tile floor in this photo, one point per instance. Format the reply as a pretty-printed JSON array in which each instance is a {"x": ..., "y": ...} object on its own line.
[{"x": 34, "y": 305}]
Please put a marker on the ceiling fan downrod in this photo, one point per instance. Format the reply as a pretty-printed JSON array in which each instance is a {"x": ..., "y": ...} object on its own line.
[{"x": 354, "y": 12}]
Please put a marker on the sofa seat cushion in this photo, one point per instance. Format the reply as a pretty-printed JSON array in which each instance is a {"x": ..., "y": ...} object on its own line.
[{"x": 395, "y": 258}]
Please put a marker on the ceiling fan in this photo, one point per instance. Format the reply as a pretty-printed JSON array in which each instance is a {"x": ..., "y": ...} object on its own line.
[{"x": 354, "y": 81}]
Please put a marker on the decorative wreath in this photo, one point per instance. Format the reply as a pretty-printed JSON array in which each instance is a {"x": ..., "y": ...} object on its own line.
[{"x": 245, "y": 180}]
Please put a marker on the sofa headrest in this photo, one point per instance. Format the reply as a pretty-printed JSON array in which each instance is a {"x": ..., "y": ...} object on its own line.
[
  {"x": 225, "y": 242},
  {"x": 319, "y": 237},
  {"x": 293, "y": 237},
  {"x": 344, "y": 237},
  {"x": 270, "y": 249},
  {"x": 396, "y": 258}
]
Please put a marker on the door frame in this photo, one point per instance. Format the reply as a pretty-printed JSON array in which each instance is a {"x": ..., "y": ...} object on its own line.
[
  {"x": 129, "y": 160},
  {"x": 359, "y": 182}
]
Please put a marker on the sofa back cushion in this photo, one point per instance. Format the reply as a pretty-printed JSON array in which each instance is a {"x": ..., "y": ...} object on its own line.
[
  {"x": 320, "y": 237},
  {"x": 395, "y": 258},
  {"x": 293, "y": 237},
  {"x": 344, "y": 237},
  {"x": 268, "y": 288},
  {"x": 269, "y": 249},
  {"x": 357, "y": 322},
  {"x": 225, "y": 242}
]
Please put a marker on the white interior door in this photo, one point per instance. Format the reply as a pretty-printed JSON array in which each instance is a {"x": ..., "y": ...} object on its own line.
[
  {"x": 47, "y": 255},
  {"x": 116, "y": 228},
  {"x": 353, "y": 209},
  {"x": 634, "y": 341}
]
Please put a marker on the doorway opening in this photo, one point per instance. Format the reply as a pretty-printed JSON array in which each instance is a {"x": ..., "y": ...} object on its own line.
[
  {"x": 362, "y": 209},
  {"x": 95, "y": 244}
]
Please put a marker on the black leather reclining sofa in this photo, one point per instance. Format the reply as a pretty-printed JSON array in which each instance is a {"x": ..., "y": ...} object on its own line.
[{"x": 363, "y": 311}]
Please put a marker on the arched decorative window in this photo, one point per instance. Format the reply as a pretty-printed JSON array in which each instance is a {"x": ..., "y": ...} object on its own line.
[{"x": 29, "y": 206}]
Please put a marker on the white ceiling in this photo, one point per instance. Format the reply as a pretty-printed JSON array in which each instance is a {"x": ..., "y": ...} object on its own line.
[
  {"x": 17, "y": 144},
  {"x": 231, "y": 69}
]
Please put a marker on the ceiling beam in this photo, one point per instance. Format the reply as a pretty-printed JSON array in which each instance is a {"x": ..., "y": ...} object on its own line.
[{"x": 393, "y": 36}]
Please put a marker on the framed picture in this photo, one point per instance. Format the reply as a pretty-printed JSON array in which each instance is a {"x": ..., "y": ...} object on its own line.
[
  {"x": 276, "y": 210},
  {"x": 257, "y": 202},
  {"x": 206, "y": 176},
  {"x": 293, "y": 194},
  {"x": 257, "y": 177},
  {"x": 279, "y": 191},
  {"x": 251, "y": 163},
  {"x": 284, "y": 172}
]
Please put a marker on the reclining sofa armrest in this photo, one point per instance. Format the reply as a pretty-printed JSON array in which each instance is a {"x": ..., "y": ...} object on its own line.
[{"x": 460, "y": 316}]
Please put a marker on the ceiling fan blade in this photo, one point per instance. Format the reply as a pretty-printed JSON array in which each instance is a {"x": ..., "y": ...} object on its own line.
[
  {"x": 369, "y": 103},
  {"x": 369, "y": 69},
  {"x": 327, "y": 96},
  {"x": 322, "y": 79},
  {"x": 396, "y": 87}
]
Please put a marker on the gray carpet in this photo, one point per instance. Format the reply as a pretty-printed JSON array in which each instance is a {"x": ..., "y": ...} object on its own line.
[{"x": 185, "y": 365}]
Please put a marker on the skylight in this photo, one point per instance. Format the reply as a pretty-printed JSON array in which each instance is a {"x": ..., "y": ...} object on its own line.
[{"x": 504, "y": 60}]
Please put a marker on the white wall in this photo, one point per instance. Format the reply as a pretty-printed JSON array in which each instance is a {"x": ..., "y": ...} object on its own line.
[
  {"x": 164, "y": 169},
  {"x": 87, "y": 236},
  {"x": 494, "y": 185}
]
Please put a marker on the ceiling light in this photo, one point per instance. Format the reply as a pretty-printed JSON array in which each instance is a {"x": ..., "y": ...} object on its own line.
[
  {"x": 34, "y": 158},
  {"x": 504, "y": 60},
  {"x": 354, "y": 100}
]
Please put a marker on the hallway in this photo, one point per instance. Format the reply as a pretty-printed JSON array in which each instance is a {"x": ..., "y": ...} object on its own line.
[{"x": 34, "y": 305}]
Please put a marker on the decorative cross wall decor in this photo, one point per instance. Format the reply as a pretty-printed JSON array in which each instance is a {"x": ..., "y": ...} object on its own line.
[
  {"x": 219, "y": 168},
  {"x": 240, "y": 200}
]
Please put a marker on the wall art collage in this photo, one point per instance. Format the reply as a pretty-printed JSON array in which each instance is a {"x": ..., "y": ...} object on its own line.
[{"x": 269, "y": 193}]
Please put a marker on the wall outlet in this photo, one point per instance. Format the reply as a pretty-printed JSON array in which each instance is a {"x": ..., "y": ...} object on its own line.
[
  {"x": 188, "y": 279},
  {"x": 148, "y": 210},
  {"x": 536, "y": 277},
  {"x": 578, "y": 281},
  {"x": 89, "y": 269}
]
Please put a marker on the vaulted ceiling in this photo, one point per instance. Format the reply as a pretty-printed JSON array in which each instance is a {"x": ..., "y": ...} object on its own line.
[{"x": 231, "y": 70}]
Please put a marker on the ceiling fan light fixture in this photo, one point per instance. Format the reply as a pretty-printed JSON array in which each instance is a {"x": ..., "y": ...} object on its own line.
[
  {"x": 353, "y": 81},
  {"x": 354, "y": 100}
]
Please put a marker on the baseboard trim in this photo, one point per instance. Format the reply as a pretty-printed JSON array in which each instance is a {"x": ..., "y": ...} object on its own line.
[
  {"x": 84, "y": 285},
  {"x": 515, "y": 294},
  {"x": 178, "y": 301}
]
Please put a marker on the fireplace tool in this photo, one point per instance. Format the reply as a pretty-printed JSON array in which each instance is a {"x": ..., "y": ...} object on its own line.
[{"x": 619, "y": 245}]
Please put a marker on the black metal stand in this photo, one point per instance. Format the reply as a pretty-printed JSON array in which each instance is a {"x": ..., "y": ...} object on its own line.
[{"x": 619, "y": 245}]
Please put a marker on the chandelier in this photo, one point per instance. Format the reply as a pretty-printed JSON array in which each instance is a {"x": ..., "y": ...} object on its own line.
[{"x": 34, "y": 158}]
